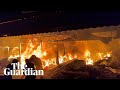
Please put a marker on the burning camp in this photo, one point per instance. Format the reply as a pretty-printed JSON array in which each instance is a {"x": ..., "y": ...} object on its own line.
[
  {"x": 60, "y": 47},
  {"x": 66, "y": 54}
]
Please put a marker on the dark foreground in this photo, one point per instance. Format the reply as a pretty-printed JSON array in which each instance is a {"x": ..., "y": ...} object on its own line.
[{"x": 76, "y": 69}]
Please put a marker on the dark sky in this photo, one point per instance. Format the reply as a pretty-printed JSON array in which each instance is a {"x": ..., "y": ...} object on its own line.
[{"x": 39, "y": 22}]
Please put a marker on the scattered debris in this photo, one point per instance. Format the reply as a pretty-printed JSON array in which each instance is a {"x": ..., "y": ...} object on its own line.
[{"x": 77, "y": 69}]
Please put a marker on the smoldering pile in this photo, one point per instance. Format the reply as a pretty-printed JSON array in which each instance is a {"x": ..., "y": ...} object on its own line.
[{"x": 77, "y": 69}]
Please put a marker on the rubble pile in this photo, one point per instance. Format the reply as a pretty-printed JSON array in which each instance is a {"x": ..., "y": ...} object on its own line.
[{"x": 77, "y": 69}]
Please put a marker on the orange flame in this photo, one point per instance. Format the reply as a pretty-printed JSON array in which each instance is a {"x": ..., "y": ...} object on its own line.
[
  {"x": 104, "y": 56},
  {"x": 29, "y": 52},
  {"x": 89, "y": 61},
  {"x": 107, "y": 55},
  {"x": 100, "y": 55},
  {"x": 38, "y": 51},
  {"x": 70, "y": 56}
]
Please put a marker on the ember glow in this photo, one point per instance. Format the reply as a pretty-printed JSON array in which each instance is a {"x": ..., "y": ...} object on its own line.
[
  {"x": 104, "y": 56},
  {"x": 107, "y": 55},
  {"x": 46, "y": 63},
  {"x": 70, "y": 57},
  {"x": 61, "y": 59},
  {"x": 100, "y": 55}
]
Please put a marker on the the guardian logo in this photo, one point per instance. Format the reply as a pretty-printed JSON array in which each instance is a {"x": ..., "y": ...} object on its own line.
[{"x": 22, "y": 71}]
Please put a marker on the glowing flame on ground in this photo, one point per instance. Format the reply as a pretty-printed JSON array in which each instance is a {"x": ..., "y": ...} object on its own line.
[
  {"x": 70, "y": 57},
  {"x": 61, "y": 60},
  {"x": 46, "y": 62},
  {"x": 89, "y": 61},
  {"x": 104, "y": 56},
  {"x": 46, "y": 65},
  {"x": 75, "y": 56},
  {"x": 11, "y": 56},
  {"x": 87, "y": 53},
  {"x": 100, "y": 55},
  {"x": 107, "y": 55}
]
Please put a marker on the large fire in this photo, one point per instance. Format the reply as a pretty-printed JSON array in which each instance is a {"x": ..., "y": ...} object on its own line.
[{"x": 49, "y": 52}]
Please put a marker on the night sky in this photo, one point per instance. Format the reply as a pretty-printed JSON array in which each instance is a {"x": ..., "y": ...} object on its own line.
[{"x": 40, "y": 22}]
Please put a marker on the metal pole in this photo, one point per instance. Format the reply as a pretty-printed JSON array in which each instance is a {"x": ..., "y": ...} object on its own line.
[
  {"x": 57, "y": 55},
  {"x": 3, "y": 51},
  {"x": 64, "y": 49},
  {"x": 8, "y": 51},
  {"x": 20, "y": 50},
  {"x": 41, "y": 45}
]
